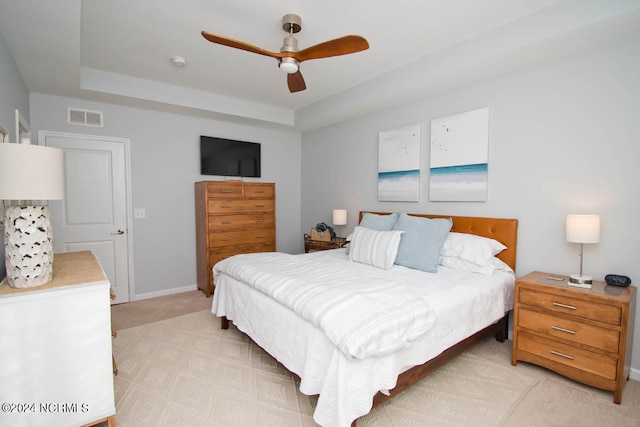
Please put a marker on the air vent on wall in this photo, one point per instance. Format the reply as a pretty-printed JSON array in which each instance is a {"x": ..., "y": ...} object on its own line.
[{"x": 76, "y": 116}]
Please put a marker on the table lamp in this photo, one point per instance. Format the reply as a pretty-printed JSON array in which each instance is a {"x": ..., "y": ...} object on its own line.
[
  {"x": 582, "y": 229},
  {"x": 29, "y": 173},
  {"x": 339, "y": 217}
]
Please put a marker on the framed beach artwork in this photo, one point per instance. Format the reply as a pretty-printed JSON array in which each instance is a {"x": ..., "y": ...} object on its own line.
[
  {"x": 399, "y": 164},
  {"x": 460, "y": 157}
]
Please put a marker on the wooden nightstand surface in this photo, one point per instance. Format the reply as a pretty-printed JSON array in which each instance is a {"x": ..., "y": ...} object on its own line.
[
  {"x": 598, "y": 288},
  {"x": 583, "y": 334}
]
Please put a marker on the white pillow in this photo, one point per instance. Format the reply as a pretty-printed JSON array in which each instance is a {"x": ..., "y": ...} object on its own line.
[
  {"x": 494, "y": 264},
  {"x": 376, "y": 248},
  {"x": 470, "y": 247}
]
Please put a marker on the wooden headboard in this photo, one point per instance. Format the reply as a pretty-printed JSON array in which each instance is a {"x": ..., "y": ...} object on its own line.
[{"x": 503, "y": 230}]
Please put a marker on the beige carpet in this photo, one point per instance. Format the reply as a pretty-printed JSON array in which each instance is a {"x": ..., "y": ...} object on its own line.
[
  {"x": 553, "y": 401},
  {"x": 187, "y": 371},
  {"x": 138, "y": 313}
]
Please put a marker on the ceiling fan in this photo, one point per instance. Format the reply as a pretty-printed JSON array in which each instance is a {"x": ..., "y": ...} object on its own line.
[{"x": 289, "y": 57}]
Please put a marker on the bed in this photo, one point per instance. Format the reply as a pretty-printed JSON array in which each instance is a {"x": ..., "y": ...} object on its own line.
[{"x": 352, "y": 378}]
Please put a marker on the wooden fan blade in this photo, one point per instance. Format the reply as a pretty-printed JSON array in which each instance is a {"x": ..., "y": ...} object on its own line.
[
  {"x": 336, "y": 47},
  {"x": 295, "y": 82},
  {"x": 226, "y": 41}
]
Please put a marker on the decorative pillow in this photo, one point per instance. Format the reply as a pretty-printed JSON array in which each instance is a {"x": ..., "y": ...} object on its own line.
[
  {"x": 420, "y": 244},
  {"x": 470, "y": 247},
  {"x": 376, "y": 248},
  {"x": 379, "y": 222},
  {"x": 376, "y": 222},
  {"x": 494, "y": 264}
]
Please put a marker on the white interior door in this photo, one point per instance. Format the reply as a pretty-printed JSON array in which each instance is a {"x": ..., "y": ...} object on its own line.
[{"x": 93, "y": 214}]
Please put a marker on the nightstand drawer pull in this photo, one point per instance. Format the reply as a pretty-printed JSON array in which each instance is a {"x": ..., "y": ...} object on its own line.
[
  {"x": 561, "y": 354},
  {"x": 558, "y": 328},
  {"x": 570, "y": 307}
]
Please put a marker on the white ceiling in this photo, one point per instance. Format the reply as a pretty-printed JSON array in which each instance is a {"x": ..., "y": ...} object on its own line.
[{"x": 119, "y": 51}]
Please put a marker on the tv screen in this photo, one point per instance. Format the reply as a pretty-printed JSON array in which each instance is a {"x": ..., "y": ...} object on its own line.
[{"x": 228, "y": 157}]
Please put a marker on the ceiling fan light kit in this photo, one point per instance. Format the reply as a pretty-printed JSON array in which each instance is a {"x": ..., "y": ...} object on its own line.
[
  {"x": 288, "y": 65},
  {"x": 289, "y": 57}
]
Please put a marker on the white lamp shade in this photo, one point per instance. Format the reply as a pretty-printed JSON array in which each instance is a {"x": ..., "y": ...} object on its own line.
[
  {"x": 583, "y": 228},
  {"x": 31, "y": 172},
  {"x": 339, "y": 217}
]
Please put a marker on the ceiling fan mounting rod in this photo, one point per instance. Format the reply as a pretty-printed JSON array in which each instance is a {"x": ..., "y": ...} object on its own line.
[{"x": 291, "y": 23}]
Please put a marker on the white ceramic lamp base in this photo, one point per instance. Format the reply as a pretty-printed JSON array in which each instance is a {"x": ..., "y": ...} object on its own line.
[{"x": 28, "y": 246}]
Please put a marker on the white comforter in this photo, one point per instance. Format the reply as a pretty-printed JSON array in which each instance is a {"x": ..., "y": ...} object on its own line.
[
  {"x": 363, "y": 316},
  {"x": 464, "y": 303}
]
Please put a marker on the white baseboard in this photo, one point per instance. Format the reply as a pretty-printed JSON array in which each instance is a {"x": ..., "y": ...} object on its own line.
[
  {"x": 634, "y": 374},
  {"x": 164, "y": 292}
]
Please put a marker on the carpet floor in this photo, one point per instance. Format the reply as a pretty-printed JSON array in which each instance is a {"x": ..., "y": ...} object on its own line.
[
  {"x": 182, "y": 370},
  {"x": 188, "y": 369}
]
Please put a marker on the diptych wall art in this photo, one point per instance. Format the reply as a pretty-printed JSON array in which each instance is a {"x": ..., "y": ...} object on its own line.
[
  {"x": 459, "y": 157},
  {"x": 399, "y": 164}
]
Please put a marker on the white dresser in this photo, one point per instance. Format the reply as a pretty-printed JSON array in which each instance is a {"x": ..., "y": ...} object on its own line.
[{"x": 55, "y": 348}]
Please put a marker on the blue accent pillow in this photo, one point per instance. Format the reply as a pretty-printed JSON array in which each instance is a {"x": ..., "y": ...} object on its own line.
[
  {"x": 421, "y": 242},
  {"x": 379, "y": 222}
]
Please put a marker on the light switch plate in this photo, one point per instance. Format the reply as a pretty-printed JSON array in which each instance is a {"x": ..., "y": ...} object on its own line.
[{"x": 139, "y": 213}]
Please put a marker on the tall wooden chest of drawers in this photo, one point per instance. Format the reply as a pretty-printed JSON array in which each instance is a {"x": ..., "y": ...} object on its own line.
[
  {"x": 583, "y": 334},
  {"x": 232, "y": 217}
]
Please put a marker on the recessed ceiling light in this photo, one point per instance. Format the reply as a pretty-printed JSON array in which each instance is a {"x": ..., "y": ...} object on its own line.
[{"x": 178, "y": 61}]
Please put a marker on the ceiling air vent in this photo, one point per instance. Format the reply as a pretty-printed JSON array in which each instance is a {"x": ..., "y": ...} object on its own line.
[{"x": 77, "y": 116}]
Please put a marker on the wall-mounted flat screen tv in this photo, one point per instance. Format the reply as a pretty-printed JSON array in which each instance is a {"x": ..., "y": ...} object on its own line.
[{"x": 228, "y": 157}]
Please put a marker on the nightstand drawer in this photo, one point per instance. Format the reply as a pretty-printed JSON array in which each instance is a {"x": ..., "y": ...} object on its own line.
[
  {"x": 568, "y": 355},
  {"x": 574, "y": 306},
  {"x": 575, "y": 331}
]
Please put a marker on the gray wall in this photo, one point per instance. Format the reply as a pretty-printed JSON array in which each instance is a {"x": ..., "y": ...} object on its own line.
[
  {"x": 164, "y": 165},
  {"x": 564, "y": 138},
  {"x": 13, "y": 95}
]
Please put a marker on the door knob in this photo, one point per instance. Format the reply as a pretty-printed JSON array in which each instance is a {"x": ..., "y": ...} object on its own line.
[{"x": 121, "y": 231}]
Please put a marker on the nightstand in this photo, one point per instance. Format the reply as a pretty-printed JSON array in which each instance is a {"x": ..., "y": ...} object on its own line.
[
  {"x": 583, "y": 334},
  {"x": 317, "y": 245}
]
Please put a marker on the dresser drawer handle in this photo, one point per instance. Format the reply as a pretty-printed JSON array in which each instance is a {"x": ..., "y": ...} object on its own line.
[
  {"x": 226, "y": 239},
  {"x": 570, "y": 307},
  {"x": 566, "y": 356},
  {"x": 259, "y": 191},
  {"x": 226, "y": 222},
  {"x": 558, "y": 328},
  {"x": 259, "y": 237},
  {"x": 226, "y": 207},
  {"x": 259, "y": 220},
  {"x": 259, "y": 206},
  {"x": 225, "y": 191}
]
